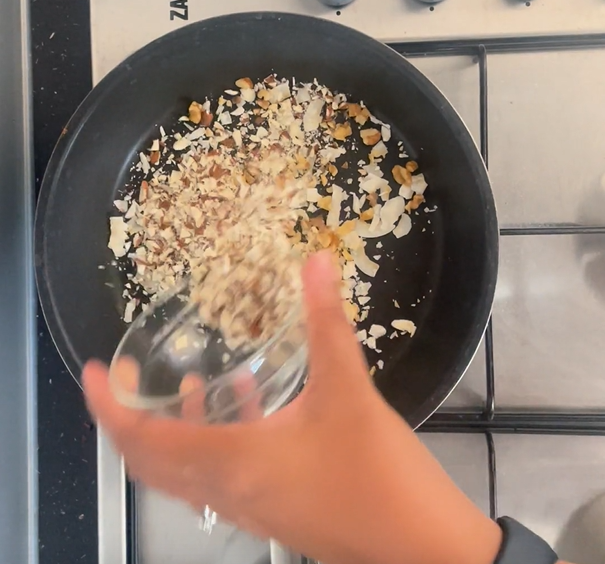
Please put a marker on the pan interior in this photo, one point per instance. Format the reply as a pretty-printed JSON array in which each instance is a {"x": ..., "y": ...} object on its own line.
[{"x": 442, "y": 274}]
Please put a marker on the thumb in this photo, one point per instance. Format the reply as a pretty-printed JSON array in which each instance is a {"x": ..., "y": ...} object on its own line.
[{"x": 334, "y": 352}]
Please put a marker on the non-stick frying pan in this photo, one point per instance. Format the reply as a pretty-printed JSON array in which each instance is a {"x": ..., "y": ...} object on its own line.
[{"x": 442, "y": 274}]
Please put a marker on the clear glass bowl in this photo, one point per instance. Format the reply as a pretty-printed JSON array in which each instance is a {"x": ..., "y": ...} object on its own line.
[{"x": 170, "y": 363}]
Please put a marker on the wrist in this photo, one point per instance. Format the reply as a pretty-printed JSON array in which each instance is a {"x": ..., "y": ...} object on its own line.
[{"x": 435, "y": 522}]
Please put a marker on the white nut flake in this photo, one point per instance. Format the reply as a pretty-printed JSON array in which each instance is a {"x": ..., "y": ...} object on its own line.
[{"x": 247, "y": 188}]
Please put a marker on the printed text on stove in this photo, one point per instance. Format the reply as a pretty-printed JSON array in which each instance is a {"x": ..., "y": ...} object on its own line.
[{"x": 179, "y": 9}]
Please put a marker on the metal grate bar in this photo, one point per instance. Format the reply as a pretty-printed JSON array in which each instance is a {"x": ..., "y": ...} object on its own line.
[
  {"x": 483, "y": 108},
  {"x": 490, "y": 401},
  {"x": 132, "y": 543},
  {"x": 492, "y": 476},
  {"x": 563, "y": 229},
  {"x": 490, "y": 373},
  {"x": 554, "y": 422},
  {"x": 501, "y": 45}
]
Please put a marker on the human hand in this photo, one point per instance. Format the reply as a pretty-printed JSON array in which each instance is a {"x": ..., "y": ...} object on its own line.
[{"x": 336, "y": 474}]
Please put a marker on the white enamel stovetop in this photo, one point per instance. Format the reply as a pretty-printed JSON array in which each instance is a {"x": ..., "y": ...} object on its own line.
[{"x": 546, "y": 118}]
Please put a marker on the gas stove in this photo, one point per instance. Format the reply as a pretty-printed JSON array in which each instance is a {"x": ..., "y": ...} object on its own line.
[{"x": 524, "y": 433}]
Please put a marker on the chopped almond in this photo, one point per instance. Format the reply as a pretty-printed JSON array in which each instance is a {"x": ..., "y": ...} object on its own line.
[
  {"x": 411, "y": 166},
  {"x": 363, "y": 117},
  {"x": 346, "y": 228},
  {"x": 367, "y": 215},
  {"x": 244, "y": 83},
  {"x": 353, "y": 110},
  {"x": 402, "y": 176},
  {"x": 206, "y": 119},
  {"x": 414, "y": 203},
  {"x": 244, "y": 197},
  {"x": 195, "y": 112},
  {"x": 324, "y": 203},
  {"x": 370, "y": 136},
  {"x": 342, "y": 131}
]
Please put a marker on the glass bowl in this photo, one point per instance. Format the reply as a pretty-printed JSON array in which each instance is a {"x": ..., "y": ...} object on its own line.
[{"x": 169, "y": 362}]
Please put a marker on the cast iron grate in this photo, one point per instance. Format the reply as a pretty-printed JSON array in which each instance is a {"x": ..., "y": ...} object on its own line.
[{"x": 491, "y": 421}]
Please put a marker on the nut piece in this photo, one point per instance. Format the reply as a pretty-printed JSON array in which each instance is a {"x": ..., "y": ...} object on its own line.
[
  {"x": 363, "y": 117},
  {"x": 360, "y": 114},
  {"x": 353, "y": 110},
  {"x": 342, "y": 131},
  {"x": 325, "y": 203},
  {"x": 402, "y": 175},
  {"x": 143, "y": 191},
  {"x": 244, "y": 83},
  {"x": 414, "y": 203},
  {"x": 404, "y": 325},
  {"x": 181, "y": 144},
  {"x": 367, "y": 215},
  {"x": 207, "y": 118},
  {"x": 370, "y": 136},
  {"x": 411, "y": 166},
  {"x": 195, "y": 112},
  {"x": 237, "y": 202},
  {"x": 373, "y": 199}
]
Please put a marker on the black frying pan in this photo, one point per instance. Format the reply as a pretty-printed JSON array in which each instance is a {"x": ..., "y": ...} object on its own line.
[{"x": 446, "y": 266}]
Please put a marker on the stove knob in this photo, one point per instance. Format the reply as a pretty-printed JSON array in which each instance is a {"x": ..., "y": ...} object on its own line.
[{"x": 336, "y": 3}]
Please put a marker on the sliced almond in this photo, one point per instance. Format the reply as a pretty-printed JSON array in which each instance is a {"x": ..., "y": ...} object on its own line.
[
  {"x": 181, "y": 144},
  {"x": 143, "y": 191}
]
